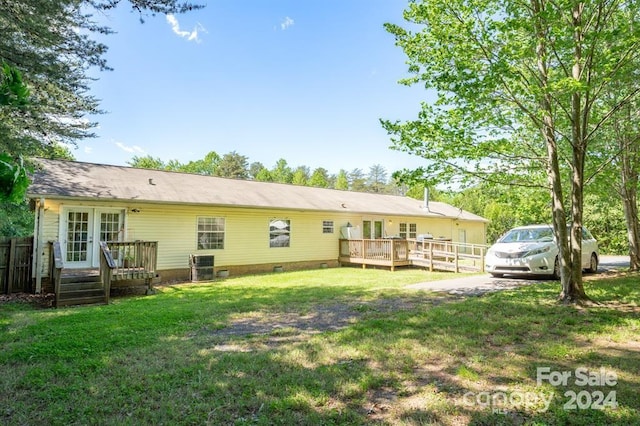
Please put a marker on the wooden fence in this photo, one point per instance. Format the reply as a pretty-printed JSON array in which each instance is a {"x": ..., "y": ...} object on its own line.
[{"x": 15, "y": 264}]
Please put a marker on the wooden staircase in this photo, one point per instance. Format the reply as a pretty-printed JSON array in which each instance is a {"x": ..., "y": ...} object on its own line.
[
  {"x": 83, "y": 289},
  {"x": 93, "y": 286}
]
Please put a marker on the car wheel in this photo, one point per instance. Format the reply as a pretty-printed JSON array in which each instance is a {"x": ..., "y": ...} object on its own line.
[
  {"x": 593, "y": 264},
  {"x": 556, "y": 269},
  {"x": 496, "y": 275}
]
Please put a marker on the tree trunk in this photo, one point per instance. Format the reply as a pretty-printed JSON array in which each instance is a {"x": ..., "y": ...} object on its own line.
[
  {"x": 629, "y": 194},
  {"x": 573, "y": 290},
  {"x": 548, "y": 132}
]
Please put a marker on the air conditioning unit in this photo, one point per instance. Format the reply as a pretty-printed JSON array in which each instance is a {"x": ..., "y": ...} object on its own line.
[{"x": 201, "y": 266}]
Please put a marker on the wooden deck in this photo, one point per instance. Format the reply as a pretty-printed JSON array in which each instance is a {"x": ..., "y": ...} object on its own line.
[
  {"x": 436, "y": 255},
  {"x": 119, "y": 261}
]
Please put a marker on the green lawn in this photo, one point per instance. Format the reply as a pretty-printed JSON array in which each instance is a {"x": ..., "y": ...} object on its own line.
[{"x": 330, "y": 346}]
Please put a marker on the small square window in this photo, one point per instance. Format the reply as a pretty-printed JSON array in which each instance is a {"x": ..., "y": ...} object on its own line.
[{"x": 327, "y": 227}]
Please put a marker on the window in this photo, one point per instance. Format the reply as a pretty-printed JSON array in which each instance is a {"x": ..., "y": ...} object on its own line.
[
  {"x": 210, "y": 233},
  {"x": 77, "y": 236},
  {"x": 327, "y": 227},
  {"x": 110, "y": 226},
  {"x": 413, "y": 228},
  {"x": 279, "y": 232}
]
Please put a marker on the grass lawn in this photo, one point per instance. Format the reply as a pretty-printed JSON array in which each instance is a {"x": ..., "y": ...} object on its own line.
[{"x": 330, "y": 346}]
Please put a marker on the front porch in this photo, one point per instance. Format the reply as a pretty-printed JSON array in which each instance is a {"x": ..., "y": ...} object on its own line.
[
  {"x": 120, "y": 261},
  {"x": 436, "y": 255}
]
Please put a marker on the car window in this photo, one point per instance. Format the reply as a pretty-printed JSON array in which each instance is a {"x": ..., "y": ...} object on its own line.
[
  {"x": 528, "y": 235},
  {"x": 586, "y": 235}
]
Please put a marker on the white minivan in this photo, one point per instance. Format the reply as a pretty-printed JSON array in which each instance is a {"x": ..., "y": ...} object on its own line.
[{"x": 532, "y": 250}]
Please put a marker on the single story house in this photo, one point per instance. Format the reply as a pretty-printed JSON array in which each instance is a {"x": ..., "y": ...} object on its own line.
[{"x": 247, "y": 226}]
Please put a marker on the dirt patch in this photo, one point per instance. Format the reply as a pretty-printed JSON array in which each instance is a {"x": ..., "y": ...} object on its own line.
[
  {"x": 277, "y": 328},
  {"x": 40, "y": 301}
]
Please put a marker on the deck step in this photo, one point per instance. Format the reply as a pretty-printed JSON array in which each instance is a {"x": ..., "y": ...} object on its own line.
[
  {"x": 87, "y": 300},
  {"x": 65, "y": 279},
  {"x": 80, "y": 293},
  {"x": 82, "y": 285}
]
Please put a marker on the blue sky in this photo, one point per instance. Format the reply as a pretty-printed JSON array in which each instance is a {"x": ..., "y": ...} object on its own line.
[{"x": 306, "y": 81}]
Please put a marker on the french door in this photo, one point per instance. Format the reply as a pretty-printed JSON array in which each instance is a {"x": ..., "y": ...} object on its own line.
[
  {"x": 82, "y": 229},
  {"x": 372, "y": 229}
]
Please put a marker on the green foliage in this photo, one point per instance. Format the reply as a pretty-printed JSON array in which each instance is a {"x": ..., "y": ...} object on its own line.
[
  {"x": 147, "y": 162},
  {"x": 319, "y": 178},
  {"x": 281, "y": 172},
  {"x": 264, "y": 175},
  {"x": 16, "y": 219},
  {"x": 13, "y": 179},
  {"x": 232, "y": 165},
  {"x": 207, "y": 166},
  {"x": 342, "y": 181},
  {"x": 377, "y": 178},
  {"x": 605, "y": 219},
  {"x": 300, "y": 176},
  {"x": 523, "y": 91},
  {"x": 13, "y": 92},
  {"x": 358, "y": 180}
]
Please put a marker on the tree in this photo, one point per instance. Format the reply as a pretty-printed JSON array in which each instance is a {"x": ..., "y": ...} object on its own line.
[
  {"x": 207, "y": 166},
  {"x": 50, "y": 45},
  {"x": 300, "y": 175},
  {"x": 147, "y": 162},
  {"x": 14, "y": 95},
  {"x": 319, "y": 178},
  {"x": 281, "y": 172},
  {"x": 233, "y": 165},
  {"x": 623, "y": 173},
  {"x": 377, "y": 178},
  {"x": 264, "y": 175},
  {"x": 342, "y": 181},
  {"x": 254, "y": 169},
  {"x": 520, "y": 87},
  {"x": 357, "y": 180}
]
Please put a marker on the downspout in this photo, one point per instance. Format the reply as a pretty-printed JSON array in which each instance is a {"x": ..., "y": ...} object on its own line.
[
  {"x": 39, "y": 250},
  {"x": 426, "y": 198}
]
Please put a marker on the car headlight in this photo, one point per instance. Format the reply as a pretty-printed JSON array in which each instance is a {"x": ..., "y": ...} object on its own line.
[{"x": 538, "y": 251}]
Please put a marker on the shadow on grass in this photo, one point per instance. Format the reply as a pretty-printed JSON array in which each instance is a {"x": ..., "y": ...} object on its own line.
[{"x": 165, "y": 359}]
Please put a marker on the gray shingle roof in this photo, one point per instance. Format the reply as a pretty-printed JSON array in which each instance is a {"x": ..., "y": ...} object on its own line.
[{"x": 87, "y": 181}]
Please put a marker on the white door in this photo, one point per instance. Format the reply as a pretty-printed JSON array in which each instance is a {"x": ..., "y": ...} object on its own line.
[
  {"x": 77, "y": 238},
  {"x": 83, "y": 229},
  {"x": 462, "y": 239},
  {"x": 109, "y": 227}
]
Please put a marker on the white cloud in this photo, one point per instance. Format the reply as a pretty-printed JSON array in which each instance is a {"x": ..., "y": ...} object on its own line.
[
  {"x": 286, "y": 23},
  {"x": 192, "y": 35},
  {"x": 134, "y": 149},
  {"x": 88, "y": 150}
]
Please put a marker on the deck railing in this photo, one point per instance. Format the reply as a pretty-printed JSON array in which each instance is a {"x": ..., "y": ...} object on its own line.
[
  {"x": 434, "y": 254},
  {"x": 134, "y": 259},
  {"x": 56, "y": 265},
  {"x": 447, "y": 255},
  {"x": 107, "y": 265},
  {"x": 383, "y": 252}
]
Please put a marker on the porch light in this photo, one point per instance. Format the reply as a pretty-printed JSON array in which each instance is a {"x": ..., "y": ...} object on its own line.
[{"x": 349, "y": 225}]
